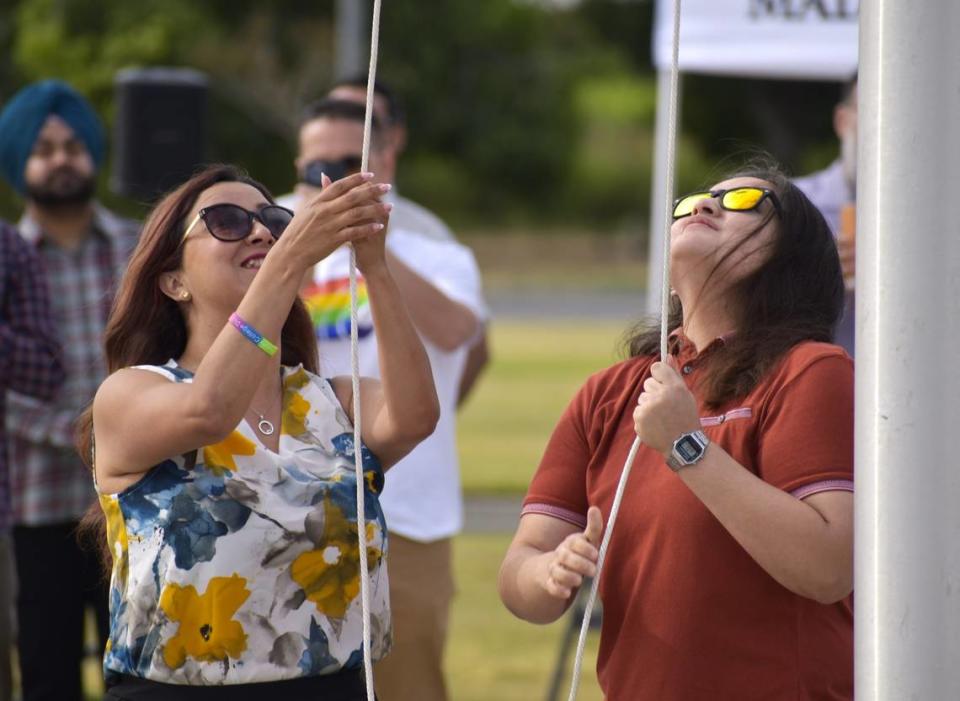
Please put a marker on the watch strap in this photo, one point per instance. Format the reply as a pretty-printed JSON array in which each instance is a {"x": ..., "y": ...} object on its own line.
[{"x": 675, "y": 460}]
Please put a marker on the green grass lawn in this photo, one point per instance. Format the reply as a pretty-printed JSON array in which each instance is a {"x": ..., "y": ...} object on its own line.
[
  {"x": 493, "y": 656},
  {"x": 535, "y": 370}
]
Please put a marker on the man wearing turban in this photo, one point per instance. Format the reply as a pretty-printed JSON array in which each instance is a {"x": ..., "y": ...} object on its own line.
[{"x": 51, "y": 148}]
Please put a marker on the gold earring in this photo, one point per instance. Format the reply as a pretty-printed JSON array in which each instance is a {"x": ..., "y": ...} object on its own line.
[{"x": 185, "y": 296}]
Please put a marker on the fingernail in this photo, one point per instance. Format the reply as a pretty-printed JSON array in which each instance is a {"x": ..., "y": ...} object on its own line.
[
  {"x": 388, "y": 207},
  {"x": 366, "y": 176},
  {"x": 377, "y": 226},
  {"x": 385, "y": 187}
]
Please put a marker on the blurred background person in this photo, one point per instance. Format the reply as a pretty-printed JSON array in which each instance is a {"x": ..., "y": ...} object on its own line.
[
  {"x": 834, "y": 191},
  {"x": 30, "y": 365},
  {"x": 51, "y": 147},
  {"x": 406, "y": 214},
  {"x": 440, "y": 283}
]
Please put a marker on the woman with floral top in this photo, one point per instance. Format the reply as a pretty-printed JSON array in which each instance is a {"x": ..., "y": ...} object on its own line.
[{"x": 223, "y": 462}]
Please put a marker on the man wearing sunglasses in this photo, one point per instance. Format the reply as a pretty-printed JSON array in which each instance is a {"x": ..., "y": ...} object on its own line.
[
  {"x": 391, "y": 118},
  {"x": 51, "y": 147},
  {"x": 440, "y": 283}
]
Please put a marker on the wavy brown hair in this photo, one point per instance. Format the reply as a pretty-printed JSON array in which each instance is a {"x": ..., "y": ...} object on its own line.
[
  {"x": 796, "y": 295},
  {"x": 146, "y": 327}
]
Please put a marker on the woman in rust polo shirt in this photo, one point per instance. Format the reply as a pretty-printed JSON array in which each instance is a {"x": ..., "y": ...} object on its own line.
[{"x": 730, "y": 571}]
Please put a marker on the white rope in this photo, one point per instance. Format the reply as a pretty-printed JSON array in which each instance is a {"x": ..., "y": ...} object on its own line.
[
  {"x": 664, "y": 330},
  {"x": 355, "y": 376}
]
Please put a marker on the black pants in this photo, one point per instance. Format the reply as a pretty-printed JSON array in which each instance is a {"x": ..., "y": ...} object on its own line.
[
  {"x": 56, "y": 581},
  {"x": 347, "y": 685}
]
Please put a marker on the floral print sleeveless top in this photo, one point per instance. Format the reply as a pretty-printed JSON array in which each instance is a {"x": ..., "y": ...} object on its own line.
[{"x": 241, "y": 565}]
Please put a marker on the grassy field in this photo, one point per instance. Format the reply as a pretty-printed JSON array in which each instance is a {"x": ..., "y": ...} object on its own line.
[
  {"x": 567, "y": 260},
  {"x": 535, "y": 371},
  {"x": 493, "y": 656}
]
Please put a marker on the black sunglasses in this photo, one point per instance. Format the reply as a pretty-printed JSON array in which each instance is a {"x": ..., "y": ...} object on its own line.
[
  {"x": 335, "y": 170},
  {"x": 736, "y": 199},
  {"x": 231, "y": 222}
]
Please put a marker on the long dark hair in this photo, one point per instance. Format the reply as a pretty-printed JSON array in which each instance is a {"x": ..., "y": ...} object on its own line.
[
  {"x": 797, "y": 295},
  {"x": 146, "y": 327}
]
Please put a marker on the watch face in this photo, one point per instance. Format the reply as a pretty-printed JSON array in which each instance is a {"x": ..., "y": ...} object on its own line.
[{"x": 688, "y": 448}]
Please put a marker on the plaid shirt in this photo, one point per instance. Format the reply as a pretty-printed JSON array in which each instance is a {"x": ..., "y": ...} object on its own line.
[
  {"x": 51, "y": 484},
  {"x": 29, "y": 354}
]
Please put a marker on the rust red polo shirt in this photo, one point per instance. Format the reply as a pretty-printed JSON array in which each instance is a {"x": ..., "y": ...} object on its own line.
[{"x": 688, "y": 614}]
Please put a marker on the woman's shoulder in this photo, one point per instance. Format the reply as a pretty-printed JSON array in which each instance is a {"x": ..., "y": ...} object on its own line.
[
  {"x": 807, "y": 353},
  {"x": 170, "y": 370},
  {"x": 297, "y": 377},
  {"x": 298, "y": 380},
  {"x": 136, "y": 377},
  {"x": 617, "y": 380},
  {"x": 814, "y": 360}
]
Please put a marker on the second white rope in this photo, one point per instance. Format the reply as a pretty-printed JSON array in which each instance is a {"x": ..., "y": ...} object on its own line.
[
  {"x": 664, "y": 338},
  {"x": 355, "y": 375}
]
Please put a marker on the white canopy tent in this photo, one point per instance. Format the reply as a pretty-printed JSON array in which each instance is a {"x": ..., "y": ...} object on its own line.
[{"x": 811, "y": 39}]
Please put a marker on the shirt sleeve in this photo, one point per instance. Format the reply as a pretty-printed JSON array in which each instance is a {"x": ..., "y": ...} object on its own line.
[
  {"x": 806, "y": 432},
  {"x": 447, "y": 265},
  {"x": 29, "y": 353},
  {"x": 559, "y": 486}
]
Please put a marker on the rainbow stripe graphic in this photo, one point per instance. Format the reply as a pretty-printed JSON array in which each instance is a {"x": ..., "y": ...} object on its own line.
[{"x": 329, "y": 306}]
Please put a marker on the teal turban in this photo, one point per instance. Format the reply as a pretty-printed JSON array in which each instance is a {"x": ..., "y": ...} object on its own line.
[{"x": 24, "y": 116}]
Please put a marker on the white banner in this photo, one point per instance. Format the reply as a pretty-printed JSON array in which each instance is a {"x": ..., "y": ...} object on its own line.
[{"x": 813, "y": 39}]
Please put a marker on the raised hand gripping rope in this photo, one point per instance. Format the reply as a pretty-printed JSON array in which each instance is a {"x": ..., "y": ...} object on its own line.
[
  {"x": 664, "y": 314},
  {"x": 355, "y": 374}
]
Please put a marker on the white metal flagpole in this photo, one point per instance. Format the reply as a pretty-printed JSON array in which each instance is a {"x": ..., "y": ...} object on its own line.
[{"x": 908, "y": 353}]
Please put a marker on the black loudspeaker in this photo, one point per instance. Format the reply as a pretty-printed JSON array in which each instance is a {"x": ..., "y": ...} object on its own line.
[{"x": 159, "y": 129}]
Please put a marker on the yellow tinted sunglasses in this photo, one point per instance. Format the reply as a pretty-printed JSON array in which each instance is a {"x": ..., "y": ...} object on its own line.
[{"x": 737, "y": 199}]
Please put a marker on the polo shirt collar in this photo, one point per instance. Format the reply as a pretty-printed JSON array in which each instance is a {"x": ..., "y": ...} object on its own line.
[{"x": 685, "y": 350}]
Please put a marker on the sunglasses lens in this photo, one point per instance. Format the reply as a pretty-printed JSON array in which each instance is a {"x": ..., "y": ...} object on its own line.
[
  {"x": 685, "y": 205},
  {"x": 227, "y": 222},
  {"x": 276, "y": 219},
  {"x": 742, "y": 199},
  {"x": 313, "y": 173},
  {"x": 351, "y": 164},
  {"x": 335, "y": 170}
]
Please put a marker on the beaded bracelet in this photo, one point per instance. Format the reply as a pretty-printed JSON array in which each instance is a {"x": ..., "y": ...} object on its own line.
[{"x": 252, "y": 335}]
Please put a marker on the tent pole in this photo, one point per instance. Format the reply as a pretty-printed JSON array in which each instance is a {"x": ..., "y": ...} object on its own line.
[
  {"x": 658, "y": 189},
  {"x": 908, "y": 348},
  {"x": 351, "y": 41}
]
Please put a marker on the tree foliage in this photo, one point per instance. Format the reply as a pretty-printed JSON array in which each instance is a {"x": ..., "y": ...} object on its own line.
[{"x": 518, "y": 111}]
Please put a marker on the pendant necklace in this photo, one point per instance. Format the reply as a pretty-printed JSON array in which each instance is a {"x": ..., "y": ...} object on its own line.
[{"x": 264, "y": 425}]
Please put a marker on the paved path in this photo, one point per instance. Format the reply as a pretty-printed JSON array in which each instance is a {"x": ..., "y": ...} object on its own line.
[
  {"x": 566, "y": 304},
  {"x": 491, "y": 514},
  {"x": 501, "y": 514}
]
